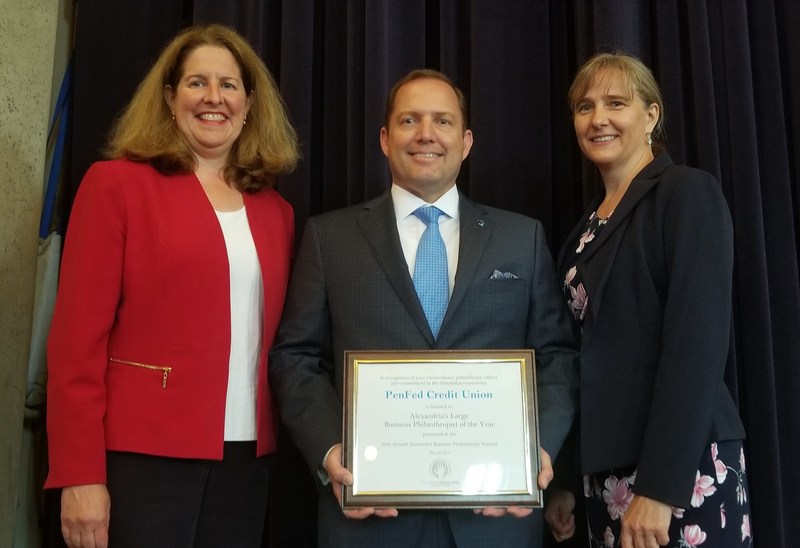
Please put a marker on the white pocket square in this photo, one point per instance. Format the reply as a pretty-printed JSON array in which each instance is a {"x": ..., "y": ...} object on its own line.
[{"x": 497, "y": 275}]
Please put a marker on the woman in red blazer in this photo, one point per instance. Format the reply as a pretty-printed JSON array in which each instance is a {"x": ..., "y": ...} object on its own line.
[
  {"x": 647, "y": 275},
  {"x": 172, "y": 286}
]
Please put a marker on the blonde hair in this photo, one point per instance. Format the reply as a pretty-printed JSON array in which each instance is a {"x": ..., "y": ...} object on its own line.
[
  {"x": 636, "y": 78},
  {"x": 145, "y": 131}
]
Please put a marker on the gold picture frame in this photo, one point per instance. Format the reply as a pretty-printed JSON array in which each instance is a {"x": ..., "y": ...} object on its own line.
[{"x": 441, "y": 429}]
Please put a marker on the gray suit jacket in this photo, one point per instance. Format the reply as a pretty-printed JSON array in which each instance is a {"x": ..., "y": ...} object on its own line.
[{"x": 351, "y": 290}]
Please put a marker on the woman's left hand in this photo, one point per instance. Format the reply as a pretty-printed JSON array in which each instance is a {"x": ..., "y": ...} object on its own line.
[{"x": 646, "y": 523}]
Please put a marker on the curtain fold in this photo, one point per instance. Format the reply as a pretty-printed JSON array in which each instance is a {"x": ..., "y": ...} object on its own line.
[
  {"x": 729, "y": 71},
  {"x": 510, "y": 108}
]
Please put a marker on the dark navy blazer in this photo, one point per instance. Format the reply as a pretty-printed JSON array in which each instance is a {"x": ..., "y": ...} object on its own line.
[{"x": 657, "y": 330}]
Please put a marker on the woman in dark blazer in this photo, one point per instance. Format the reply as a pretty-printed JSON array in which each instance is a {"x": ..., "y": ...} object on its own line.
[
  {"x": 172, "y": 285},
  {"x": 647, "y": 275}
]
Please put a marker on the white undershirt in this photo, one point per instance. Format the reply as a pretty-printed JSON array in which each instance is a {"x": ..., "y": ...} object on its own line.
[
  {"x": 410, "y": 227},
  {"x": 247, "y": 303}
]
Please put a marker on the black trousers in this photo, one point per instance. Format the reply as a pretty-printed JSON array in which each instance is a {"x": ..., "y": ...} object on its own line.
[{"x": 186, "y": 503}]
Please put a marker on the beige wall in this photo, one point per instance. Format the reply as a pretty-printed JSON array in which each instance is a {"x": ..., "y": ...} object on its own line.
[{"x": 28, "y": 35}]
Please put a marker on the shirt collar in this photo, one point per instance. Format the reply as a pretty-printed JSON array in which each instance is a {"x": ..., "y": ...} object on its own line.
[{"x": 406, "y": 203}]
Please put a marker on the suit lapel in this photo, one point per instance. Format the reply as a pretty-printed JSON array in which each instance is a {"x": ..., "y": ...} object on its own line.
[
  {"x": 379, "y": 227},
  {"x": 607, "y": 243},
  {"x": 638, "y": 189},
  {"x": 272, "y": 245},
  {"x": 476, "y": 227}
]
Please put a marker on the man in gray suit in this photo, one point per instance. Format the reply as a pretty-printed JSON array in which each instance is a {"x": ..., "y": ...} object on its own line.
[{"x": 352, "y": 289}]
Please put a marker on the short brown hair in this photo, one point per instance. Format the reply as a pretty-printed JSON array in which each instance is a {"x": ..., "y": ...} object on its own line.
[
  {"x": 419, "y": 74},
  {"x": 145, "y": 131}
]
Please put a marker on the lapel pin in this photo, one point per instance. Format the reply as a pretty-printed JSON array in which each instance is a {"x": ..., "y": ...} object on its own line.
[{"x": 480, "y": 222}]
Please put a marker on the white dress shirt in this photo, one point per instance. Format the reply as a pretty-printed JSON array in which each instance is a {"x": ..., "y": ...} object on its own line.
[{"x": 410, "y": 227}]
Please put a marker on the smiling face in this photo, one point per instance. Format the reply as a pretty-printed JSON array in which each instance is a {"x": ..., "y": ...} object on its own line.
[
  {"x": 612, "y": 123},
  {"x": 209, "y": 102},
  {"x": 425, "y": 140}
]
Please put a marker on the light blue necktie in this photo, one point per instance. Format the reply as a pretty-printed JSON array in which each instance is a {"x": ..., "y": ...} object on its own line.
[{"x": 430, "y": 269}]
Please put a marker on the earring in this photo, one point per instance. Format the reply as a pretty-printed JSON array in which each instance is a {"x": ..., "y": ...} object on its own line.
[
  {"x": 244, "y": 122},
  {"x": 649, "y": 140}
]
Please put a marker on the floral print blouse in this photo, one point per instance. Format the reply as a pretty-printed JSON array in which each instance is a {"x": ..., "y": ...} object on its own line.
[{"x": 572, "y": 287}]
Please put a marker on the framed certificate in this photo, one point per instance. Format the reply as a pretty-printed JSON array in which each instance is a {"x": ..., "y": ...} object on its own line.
[{"x": 441, "y": 429}]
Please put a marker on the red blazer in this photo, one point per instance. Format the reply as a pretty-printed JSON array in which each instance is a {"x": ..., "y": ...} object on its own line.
[{"x": 140, "y": 341}]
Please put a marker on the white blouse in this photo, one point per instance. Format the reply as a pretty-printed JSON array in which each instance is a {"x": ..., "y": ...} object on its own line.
[{"x": 247, "y": 303}]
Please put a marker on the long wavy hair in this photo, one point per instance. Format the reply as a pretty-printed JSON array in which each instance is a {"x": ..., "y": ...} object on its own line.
[{"x": 146, "y": 132}]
